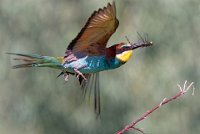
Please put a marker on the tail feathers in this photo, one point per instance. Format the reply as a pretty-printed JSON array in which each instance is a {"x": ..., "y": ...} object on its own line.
[
  {"x": 35, "y": 60},
  {"x": 23, "y": 65},
  {"x": 92, "y": 83}
]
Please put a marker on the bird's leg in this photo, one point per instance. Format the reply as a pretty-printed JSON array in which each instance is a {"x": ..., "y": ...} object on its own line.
[
  {"x": 66, "y": 75},
  {"x": 79, "y": 74}
]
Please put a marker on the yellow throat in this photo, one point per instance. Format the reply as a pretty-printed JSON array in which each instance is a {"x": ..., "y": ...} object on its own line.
[{"x": 125, "y": 56}]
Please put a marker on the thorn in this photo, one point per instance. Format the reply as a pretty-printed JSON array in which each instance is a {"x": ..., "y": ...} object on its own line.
[
  {"x": 180, "y": 88},
  {"x": 145, "y": 117},
  {"x": 185, "y": 89},
  {"x": 184, "y": 85},
  {"x": 193, "y": 90},
  {"x": 189, "y": 86},
  {"x": 162, "y": 102}
]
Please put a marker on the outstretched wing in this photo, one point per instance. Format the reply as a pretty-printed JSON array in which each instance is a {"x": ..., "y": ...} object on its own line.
[{"x": 95, "y": 34}]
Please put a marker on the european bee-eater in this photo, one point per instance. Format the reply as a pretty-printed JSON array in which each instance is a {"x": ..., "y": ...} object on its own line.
[{"x": 87, "y": 54}]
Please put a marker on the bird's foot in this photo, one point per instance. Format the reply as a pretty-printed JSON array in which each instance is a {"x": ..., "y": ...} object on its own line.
[
  {"x": 66, "y": 77},
  {"x": 79, "y": 74}
]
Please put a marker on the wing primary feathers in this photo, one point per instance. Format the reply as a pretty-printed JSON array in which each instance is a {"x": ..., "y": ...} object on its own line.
[
  {"x": 87, "y": 85},
  {"x": 95, "y": 98},
  {"x": 92, "y": 85},
  {"x": 92, "y": 82},
  {"x": 83, "y": 83},
  {"x": 97, "y": 95}
]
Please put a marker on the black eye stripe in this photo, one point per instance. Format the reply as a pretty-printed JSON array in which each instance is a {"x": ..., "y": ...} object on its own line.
[
  {"x": 125, "y": 48},
  {"x": 122, "y": 49}
]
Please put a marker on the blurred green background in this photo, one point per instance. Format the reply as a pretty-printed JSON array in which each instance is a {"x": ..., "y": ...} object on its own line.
[{"x": 33, "y": 101}]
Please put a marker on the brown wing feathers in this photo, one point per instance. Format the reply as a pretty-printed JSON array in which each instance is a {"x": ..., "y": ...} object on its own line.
[{"x": 94, "y": 36}]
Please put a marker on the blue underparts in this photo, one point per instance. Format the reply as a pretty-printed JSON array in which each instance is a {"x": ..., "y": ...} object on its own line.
[{"x": 92, "y": 64}]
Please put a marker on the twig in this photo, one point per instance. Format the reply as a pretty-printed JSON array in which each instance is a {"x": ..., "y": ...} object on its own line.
[{"x": 163, "y": 102}]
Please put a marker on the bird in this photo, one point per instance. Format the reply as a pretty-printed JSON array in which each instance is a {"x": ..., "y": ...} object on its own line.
[{"x": 87, "y": 54}]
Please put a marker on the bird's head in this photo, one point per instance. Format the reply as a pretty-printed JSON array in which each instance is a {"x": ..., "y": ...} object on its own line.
[{"x": 125, "y": 50}]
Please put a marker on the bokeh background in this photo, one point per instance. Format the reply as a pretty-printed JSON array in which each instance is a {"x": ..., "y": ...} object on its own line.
[{"x": 33, "y": 101}]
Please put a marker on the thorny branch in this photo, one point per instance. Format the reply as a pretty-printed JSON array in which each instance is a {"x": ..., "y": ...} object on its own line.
[{"x": 181, "y": 92}]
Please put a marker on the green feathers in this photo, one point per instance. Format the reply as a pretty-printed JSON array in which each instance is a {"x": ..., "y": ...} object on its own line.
[{"x": 34, "y": 60}]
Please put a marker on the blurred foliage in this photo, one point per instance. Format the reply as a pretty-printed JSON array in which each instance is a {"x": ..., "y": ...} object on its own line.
[{"x": 33, "y": 101}]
